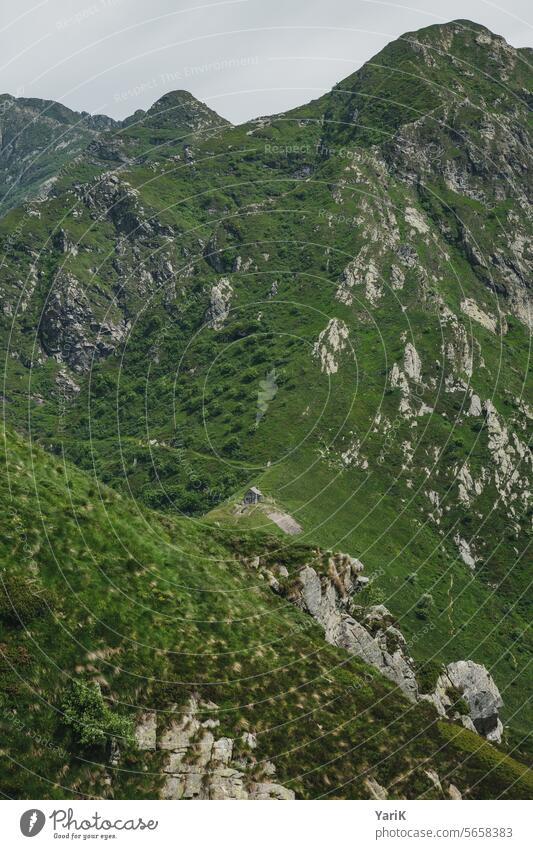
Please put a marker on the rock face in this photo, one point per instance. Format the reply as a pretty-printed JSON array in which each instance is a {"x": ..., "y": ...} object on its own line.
[
  {"x": 71, "y": 332},
  {"x": 201, "y": 765},
  {"x": 219, "y": 303},
  {"x": 375, "y": 790},
  {"x": 412, "y": 363},
  {"x": 331, "y": 342},
  {"x": 328, "y": 590},
  {"x": 374, "y": 639},
  {"x": 421, "y": 152},
  {"x": 146, "y": 731},
  {"x": 470, "y": 308},
  {"x": 476, "y": 686}
]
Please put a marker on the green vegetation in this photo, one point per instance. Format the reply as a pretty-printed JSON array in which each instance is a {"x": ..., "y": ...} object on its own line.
[
  {"x": 138, "y": 426},
  {"x": 154, "y": 608},
  {"x": 93, "y": 722}
]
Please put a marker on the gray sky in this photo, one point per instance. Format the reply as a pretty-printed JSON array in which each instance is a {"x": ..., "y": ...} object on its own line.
[{"x": 242, "y": 57}]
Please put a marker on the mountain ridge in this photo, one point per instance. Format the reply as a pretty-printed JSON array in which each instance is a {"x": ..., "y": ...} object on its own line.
[{"x": 45, "y": 136}]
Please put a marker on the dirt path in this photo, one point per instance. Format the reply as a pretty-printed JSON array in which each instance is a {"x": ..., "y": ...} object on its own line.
[{"x": 285, "y": 522}]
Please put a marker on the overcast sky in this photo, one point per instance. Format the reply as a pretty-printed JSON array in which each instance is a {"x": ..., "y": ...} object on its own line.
[{"x": 242, "y": 57}]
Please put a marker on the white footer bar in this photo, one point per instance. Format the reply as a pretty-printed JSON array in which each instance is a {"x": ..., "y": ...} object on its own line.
[{"x": 276, "y": 825}]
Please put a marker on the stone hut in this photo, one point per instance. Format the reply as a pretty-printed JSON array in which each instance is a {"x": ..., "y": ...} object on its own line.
[{"x": 252, "y": 496}]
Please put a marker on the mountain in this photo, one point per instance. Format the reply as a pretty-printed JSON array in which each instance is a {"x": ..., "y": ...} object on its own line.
[
  {"x": 332, "y": 305},
  {"x": 177, "y": 110},
  {"x": 40, "y": 140}
]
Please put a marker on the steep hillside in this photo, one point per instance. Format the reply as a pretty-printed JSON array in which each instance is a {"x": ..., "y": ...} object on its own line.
[
  {"x": 143, "y": 656},
  {"x": 332, "y": 304},
  {"x": 38, "y": 138},
  {"x": 42, "y": 142}
]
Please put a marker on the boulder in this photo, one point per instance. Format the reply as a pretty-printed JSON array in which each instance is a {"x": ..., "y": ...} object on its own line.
[
  {"x": 481, "y": 694},
  {"x": 477, "y": 688}
]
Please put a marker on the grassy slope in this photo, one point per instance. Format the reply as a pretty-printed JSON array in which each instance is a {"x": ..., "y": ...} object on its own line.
[{"x": 154, "y": 608}]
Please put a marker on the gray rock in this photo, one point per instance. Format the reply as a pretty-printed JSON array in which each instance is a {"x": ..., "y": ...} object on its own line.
[
  {"x": 202, "y": 767},
  {"x": 223, "y": 750},
  {"x": 454, "y": 793},
  {"x": 146, "y": 730},
  {"x": 69, "y": 329},
  {"x": 266, "y": 790},
  {"x": 476, "y": 686},
  {"x": 249, "y": 740},
  {"x": 375, "y": 790},
  {"x": 375, "y": 640},
  {"x": 481, "y": 694},
  {"x": 219, "y": 303}
]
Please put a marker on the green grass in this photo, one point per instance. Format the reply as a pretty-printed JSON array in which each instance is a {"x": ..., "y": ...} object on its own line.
[{"x": 153, "y": 608}]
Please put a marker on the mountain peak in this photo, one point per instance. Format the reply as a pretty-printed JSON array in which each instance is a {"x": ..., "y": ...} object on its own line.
[
  {"x": 460, "y": 31},
  {"x": 178, "y": 109},
  {"x": 420, "y": 72}
]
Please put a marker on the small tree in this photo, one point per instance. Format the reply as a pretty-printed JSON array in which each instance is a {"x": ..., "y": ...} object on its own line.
[
  {"x": 232, "y": 445},
  {"x": 86, "y": 712},
  {"x": 424, "y": 605}
]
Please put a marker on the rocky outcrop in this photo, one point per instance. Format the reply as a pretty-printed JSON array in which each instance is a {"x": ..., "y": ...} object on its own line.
[
  {"x": 472, "y": 684},
  {"x": 63, "y": 243},
  {"x": 474, "y": 311},
  {"x": 375, "y": 790},
  {"x": 331, "y": 342},
  {"x": 66, "y": 385},
  {"x": 219, "y": 303},
  {"x": 71, "y": 332},
  {"x": 412, "y": 363},
  {"x": 328, "y": 596},
  {"x": 512, "y": 462},
  {"x": 489, "y": 164},
  {"x": 115, "y": 199},
  {"x": 146, "y": 731},
  {"x": 465, "y": 552},
  {"x": 374, "y": 639},
  {"x": 200, "y": 765},
  {"x": 411, "y": 404},
  {"x": 329, "y": 588}
]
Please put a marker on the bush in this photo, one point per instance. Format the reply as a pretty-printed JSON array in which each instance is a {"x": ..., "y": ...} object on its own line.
[
  {"x": 21, "y": 600},
  {"x": 92, "y": 721},
  {"x": 240, "y": 330},
  {"x": 458, "y": 703},
  {"x": 427, "y": 674},
  {"x": 424, "y": 605},
  {"x": 232, "y": 446}
]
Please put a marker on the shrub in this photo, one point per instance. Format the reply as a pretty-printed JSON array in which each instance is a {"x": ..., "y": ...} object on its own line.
[
  {"x": 92, "y": 721},
  {"x": 21, "y": 600},
  {"x": 458, "y": 703},
  {"x": 427, "y": 674},
  {"x": 424, "y": 605},
  {"x": 232, "y": 446}
]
